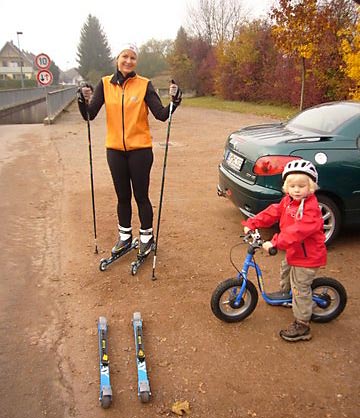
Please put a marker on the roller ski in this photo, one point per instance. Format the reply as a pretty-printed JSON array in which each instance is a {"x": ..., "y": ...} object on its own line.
[
  {"x": 105, "y": 387},
  {"x": 118, "y": 251},
  {"x": 143, "y": 381},
  {"x": 143, "y": 253}
]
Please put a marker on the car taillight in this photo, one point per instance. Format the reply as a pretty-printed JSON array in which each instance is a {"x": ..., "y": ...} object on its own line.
[{"x": 270, "y": 165}]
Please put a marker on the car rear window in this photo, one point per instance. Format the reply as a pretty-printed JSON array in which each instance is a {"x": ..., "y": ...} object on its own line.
[{"x": 326, "y": 118}]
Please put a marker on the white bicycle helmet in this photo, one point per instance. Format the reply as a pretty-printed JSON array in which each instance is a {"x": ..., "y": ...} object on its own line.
[{"x": 300, "y": 166}]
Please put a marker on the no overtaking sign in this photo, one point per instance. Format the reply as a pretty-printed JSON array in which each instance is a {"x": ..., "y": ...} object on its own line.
[{"x": 44, "y": 77}]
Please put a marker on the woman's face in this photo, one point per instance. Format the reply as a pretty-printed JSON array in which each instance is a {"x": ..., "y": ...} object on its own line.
[{"x": 126, "y": 62}]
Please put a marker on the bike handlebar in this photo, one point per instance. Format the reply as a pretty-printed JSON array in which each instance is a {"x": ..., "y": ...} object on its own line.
[{"x": 254, "y": 239}]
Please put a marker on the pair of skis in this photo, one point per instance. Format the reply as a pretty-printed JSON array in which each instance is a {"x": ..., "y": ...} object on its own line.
[
  {"x": 105, "y": 262},
  {"x": 143, "y": 381}
]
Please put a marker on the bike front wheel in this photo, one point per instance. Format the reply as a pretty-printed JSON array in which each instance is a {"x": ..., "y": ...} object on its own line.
[
  {"x": 329, "y": 299},
  {"x": 223, "y": 300}
]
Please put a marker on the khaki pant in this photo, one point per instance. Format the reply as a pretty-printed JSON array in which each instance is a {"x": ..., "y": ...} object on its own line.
[{"x": 299, "y": 279}]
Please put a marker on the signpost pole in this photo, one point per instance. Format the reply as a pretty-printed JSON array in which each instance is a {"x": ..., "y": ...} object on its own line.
[{"x": 44, "y": 76}]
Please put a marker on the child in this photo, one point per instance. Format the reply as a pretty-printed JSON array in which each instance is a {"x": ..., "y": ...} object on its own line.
[{"x": 301, "y": 236}]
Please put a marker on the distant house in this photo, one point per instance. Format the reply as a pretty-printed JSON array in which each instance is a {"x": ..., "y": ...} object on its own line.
[
  {"x": 70, "y": 77},
  {"x": 13, "y": 61}
]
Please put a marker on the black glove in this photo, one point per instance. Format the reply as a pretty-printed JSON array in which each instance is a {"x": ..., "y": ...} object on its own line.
[{"x": 84, "y": 92}]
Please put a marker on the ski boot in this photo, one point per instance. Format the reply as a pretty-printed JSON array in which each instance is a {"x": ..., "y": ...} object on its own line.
[
  {"x": 122, "y": 247},
  {"x": 145, "y": 249}
]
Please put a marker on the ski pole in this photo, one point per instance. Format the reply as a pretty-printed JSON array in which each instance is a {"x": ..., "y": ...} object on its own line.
[
  {"x": 162, "y": 189},
  {"x": 92, "y": 181}
]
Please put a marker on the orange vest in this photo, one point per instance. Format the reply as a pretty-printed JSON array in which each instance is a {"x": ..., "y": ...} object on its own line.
[{"x": 127, "y": 114}]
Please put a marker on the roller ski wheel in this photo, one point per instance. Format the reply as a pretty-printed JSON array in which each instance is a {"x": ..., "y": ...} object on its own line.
[
  {"x": 105, "y": 262},
  {"x": 135, "y": 265},
  {"x": 144, "y": 392},
  {"x": 144, "y": 397},
  {"x": 105, "y": 397},
  {"x": 106, "y": 401}
]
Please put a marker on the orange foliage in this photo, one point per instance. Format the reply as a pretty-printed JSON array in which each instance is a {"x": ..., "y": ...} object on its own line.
[{"x": 350, "y": 48}]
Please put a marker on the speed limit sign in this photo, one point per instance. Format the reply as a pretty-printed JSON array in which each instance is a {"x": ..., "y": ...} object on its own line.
[
  {"x": 42, "y": 61},
  {"x": 44, "y": 77}
]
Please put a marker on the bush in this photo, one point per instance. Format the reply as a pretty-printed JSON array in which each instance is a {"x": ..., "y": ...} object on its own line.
[{"x": 16, "y": 84}]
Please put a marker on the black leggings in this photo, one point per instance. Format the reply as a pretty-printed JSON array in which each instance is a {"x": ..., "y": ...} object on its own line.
[{"x": 130, "y": 171}]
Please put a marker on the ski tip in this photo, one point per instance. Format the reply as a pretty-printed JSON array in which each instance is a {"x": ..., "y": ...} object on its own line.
[
  {"x": 136, "y": 316},
  {"x": 102, "y": 321}
]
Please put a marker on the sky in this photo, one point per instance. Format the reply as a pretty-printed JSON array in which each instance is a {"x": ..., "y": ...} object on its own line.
[{"x": 53, "y": 27}]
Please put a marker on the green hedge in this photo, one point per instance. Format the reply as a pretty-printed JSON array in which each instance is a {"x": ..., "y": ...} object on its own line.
[{"x": 16, "y": 84}]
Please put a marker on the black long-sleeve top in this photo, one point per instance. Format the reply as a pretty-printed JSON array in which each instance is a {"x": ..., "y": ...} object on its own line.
[{"x": 152, "y": 99}]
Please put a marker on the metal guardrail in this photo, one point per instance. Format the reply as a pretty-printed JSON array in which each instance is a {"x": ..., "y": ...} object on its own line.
[
  {"x": 15, "y": 97},
  {"x": 57, "y": 101},
  {"x": 57, "y": 98}
]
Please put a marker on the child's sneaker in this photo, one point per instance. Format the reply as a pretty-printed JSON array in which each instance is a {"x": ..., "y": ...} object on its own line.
[{"x": 296, "y": 331}]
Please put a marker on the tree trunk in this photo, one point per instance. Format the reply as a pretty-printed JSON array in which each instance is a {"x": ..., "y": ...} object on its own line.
[{"x": 302, "y": 83}]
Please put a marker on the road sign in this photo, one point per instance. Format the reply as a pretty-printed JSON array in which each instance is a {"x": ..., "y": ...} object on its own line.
[
  {"x": 42, "y": 61},
  {"x": 44, "y": 77}
]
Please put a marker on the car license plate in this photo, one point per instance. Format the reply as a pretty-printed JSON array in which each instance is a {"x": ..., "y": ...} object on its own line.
[{"x": 234, "y": 161}]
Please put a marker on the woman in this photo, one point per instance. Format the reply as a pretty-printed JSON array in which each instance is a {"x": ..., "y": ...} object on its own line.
[{"x": 127, "y": 97}]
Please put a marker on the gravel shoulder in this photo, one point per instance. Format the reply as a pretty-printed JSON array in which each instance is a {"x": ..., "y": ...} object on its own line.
[{"x": 52, "y": 291}]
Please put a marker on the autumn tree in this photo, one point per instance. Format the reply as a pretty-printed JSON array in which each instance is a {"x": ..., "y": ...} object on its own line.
[
  {"x": 215, "y": 21},
  {"x": 246, "y": 66},
  {"x": 153, "y": 57},
  {"x": 94, "y": 53},
  {"x": 203, "y": 58},
  {"x": 351, "y": 55},
  {"x": 181, "y": 64},
  {"x": 55, "y": 71},
  {"x": 192, "y": 62},
  {"x": 337, "y": 23},
  {"x": 236, "y": 60},
  {"x": 296, "y": 32}
]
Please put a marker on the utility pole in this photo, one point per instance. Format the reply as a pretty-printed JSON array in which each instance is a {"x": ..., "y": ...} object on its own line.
[{"x": 21, "y": 61}]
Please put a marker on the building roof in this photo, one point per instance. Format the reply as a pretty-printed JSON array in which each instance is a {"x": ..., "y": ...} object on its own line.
[{"x": 10, "y": 50}]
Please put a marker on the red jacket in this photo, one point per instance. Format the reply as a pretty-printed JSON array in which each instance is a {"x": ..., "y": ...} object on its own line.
[{"x": 302, "y": 239}]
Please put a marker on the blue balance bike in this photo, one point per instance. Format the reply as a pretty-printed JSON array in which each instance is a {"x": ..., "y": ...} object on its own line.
[{"x": 235, "y": 299}]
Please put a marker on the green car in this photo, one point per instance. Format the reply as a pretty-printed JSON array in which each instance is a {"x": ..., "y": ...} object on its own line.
[{"x": 328, "y": 135}]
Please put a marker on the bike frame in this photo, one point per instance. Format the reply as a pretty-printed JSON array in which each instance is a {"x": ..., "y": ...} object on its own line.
[{"x": 243, "y": 275}]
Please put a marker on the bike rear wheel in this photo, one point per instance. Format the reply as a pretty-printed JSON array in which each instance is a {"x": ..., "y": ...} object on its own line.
[
  {"x": 223, "y": 300},
  {"x": 333, "y": 297}
]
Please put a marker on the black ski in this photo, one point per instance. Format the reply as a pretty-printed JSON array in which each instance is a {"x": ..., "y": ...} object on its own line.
[{"x": 105, "y": 262}]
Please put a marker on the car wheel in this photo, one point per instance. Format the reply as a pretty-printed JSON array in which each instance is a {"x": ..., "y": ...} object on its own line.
[{"x": 332, "y": 218}]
